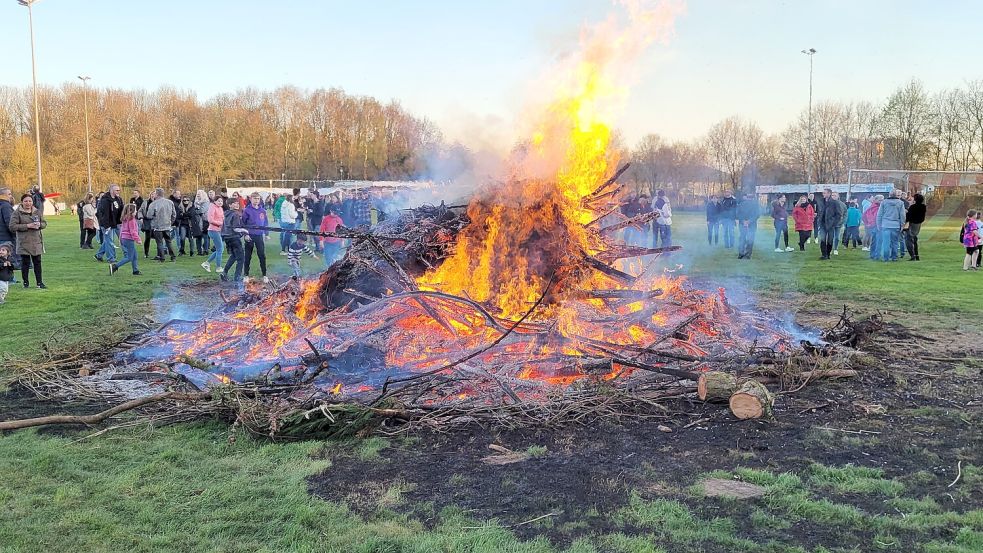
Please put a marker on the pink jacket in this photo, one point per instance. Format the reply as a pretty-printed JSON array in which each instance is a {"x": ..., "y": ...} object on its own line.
[
  {"x": 129, "y": 230},
  {"x": 216, "y": 217}
]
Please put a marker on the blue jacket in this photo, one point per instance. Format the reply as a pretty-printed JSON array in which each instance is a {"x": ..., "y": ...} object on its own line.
[
  {"x": 254, "y": 217},
  {"x": 6, "y": 213},
  {"x": 853, "y": 217}
]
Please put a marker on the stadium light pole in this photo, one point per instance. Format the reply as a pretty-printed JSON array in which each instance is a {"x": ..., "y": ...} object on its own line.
[
  {"x": 34, "y": 78},
  {"x": 810, "y": 52},
  {"x": 85, "y": 108}
]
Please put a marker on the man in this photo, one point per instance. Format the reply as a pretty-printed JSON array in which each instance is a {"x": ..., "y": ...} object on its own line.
[
  {"x": 162, "y": 215},
  {"x": 78, "y": 210},
  {"x": 363, "y": 208},
  {"x": 903, "y": 239},
  {"x": 109, "y": 213},
  {"x": 630, "y": 209},
  {"x": 38, "y": 198},
  {"x": 315, "y": 212},
  {"x": 136, "y": 199},
  {"x": 914, "y": 217},
  {"x": 780, "y": 215},
  {"x": 828, "y": 220},
  {"x": 288, "y": 221},
  {"x": 890, "y": 219},
  {"x": 649, "y": 233},
  {"x": 747, "y": 216},
  {"x": 6, "y": 213},
  {"x": 664, "y": 220},
  {"x": 839, "y": 226},
  {"x": 816, "y": 208},
  {"x": 713, "y": 220},
  {"x": 728, "y": 217}
]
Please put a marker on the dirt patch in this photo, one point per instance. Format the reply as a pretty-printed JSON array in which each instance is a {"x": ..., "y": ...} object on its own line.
[
  {"x": 718, "y": 487},
  {"x": 19, "y": 403},
  {"x": 905, "y": 416}
]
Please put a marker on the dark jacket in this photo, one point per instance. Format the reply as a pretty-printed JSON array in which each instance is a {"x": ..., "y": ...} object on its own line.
[
  {"x": 748, "y": 210},
  {"x": 713, "y": 211},
  {"x": 109, "y": 212},
  {"x": 137, "y": 202},
  {"x": 728, "y": 208},
  {"x": 232, "y": 221},
  {"x": 779, "y": 212},
  {"x": 915, "y": 216},
  {"x": 6, "y": 214},
  {"x": 38, "y": 198},
  {"x": 831, "y": 215},
  {"x": 7, "y": 266}
]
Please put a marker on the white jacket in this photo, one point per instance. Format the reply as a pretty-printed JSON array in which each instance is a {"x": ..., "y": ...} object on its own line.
[
  {"x": 288, "y": 213},
  {"x": 665, "y": 214}
]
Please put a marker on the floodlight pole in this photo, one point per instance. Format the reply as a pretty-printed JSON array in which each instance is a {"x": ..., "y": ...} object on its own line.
[
  {"x": 85, "y": 105},
  {"x": 810, "y": 52},
  {"x": 34, "y": 78}
]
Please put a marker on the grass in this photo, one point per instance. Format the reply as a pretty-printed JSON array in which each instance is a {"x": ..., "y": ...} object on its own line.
[{"x": 189, "y": 487}]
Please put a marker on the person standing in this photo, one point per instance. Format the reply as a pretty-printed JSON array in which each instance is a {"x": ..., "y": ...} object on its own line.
[
  {"x": 972, "y": 237},
  {"x": 713, "y": 220},
  {"x": 201, "y": 204},
  {"x": 108, "y": 212},
  {"x": 864, "y": 206},
  {"x": 779, "y": 213},
  {"x": 162, "y": 215},
  {"x": 38, "y": 198},
  {"x": 255, "y": 216},
  {"x": 728, "y": 217},
  {"x": 215, "y": 218},
  {"x": 852, "y": 232},
  {"x": 664, "y": 220},
  {"x": 816, "y": 208},
  {"x": 232, "y": 235},
  {"x": 90, "y": 220},
  {"x": 28, "y": 222},
  {"x": 136, "y": 199},
  {"x": 803, "y": 215},
  {"x": 890, "y": 218},
  {"x": 839, "y": 226},
  {"x": 829, "y": 220},
  {"x": 748, "y": 212},
  {"x": 914, "y": 218},
  {"x": 129, "y": 237},
  {"x": 7, "y": 236},
  {"x": 649, "y": 231},
  {"x": 870, "y": 224},
  {"x": 331, "y": 245},
  {"x": 6, "y": 270},
  {"x": 79, "y": 208},
  {"x": 903, "y": 238},
  {"x": 288, "y": 221},
  {"x": 147, "y": 225}
]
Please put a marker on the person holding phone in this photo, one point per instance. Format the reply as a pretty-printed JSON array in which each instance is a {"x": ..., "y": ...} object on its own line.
[{"x": 27, "y": 223}]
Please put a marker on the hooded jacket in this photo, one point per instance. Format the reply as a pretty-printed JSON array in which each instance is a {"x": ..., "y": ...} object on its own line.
[
  {"x": 891, "y": 214},
  {"x": 728, "y": 208},
  {"x": 255, "y": 217},
  {"x": 109, "y": 212},
  {"x": 803, "y": 216}
]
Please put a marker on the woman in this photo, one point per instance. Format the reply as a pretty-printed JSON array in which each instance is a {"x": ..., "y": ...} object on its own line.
[
  {"x": 202, "y": 203},
  {"x": 195, "y": 231},
  {"x": 129, "y": 237},
  {"x": 869, "y": 219},
  {"x": 28, "y": 222},
  {"x": 215, "y": 219},
  {"x": 147, "y": 225},
  {"x": 663, "y": 223},
  {"x": 255, "y": 216},
  {"x": 183, "y": 226},
  {"x": 233, "y": 242},
  {"x": 89, "y": 220},
  {"x": 804, "y": 215}
]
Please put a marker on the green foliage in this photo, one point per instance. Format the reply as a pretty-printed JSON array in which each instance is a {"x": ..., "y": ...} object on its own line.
[{"x": 854, "y": 479}]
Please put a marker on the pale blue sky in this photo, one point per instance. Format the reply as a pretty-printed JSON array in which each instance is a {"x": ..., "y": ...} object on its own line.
[{"x": 467, "y": 65}]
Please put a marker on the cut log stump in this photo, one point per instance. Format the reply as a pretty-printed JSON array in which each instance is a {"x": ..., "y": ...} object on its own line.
[
  {"x": 716, "y": 386},
  {"x": 751, "y": 401}
]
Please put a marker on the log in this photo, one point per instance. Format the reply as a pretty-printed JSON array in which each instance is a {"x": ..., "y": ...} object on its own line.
[
  {"x": 716, "y": 386},
  {"x": 99, "y": 417},
  {"x": 751, "y": 401}
]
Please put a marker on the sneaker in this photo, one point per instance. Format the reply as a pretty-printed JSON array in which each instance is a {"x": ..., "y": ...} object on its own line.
[
  {"x": 266, "y": 280},
  {"x": 222, "y": 277},
  {"x": 865, "y": 248},
  {"x": 97, "y": 258},
  {"x": 219, "y": 270},
  {"x": 42, "y": 286},
  {"x": 788, "y": 249},
  {"x": 779, "y": 250},
  {"x": 206, "y": 266},
  {"x": 137, "y": 273},
  {"x": 283, "y": 253},
  {"x": 26, "y": 285},
  {"x": 836, "y": 252},
  {"x": 112, "y": 269}
]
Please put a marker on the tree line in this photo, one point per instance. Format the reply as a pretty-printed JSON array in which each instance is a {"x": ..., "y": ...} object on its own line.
[
  {"x": 170, "y": 138},
  {"x": 912, "y": 129}
]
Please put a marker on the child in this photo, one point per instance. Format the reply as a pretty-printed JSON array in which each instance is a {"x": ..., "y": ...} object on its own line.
[
  {"x": 6, "y": 271},
  {"x": 971, "y": 236},
  {"x": 853, "y": 217},
  {"x": 298, "y": 247},
  {"x": 129, "y": 237}
]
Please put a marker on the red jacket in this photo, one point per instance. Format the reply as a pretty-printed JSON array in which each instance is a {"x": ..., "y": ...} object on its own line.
[
  {"x": 803, "y": 217},
  {"x": 330, "y": 223},
  {"x": 870, "y": 216}
]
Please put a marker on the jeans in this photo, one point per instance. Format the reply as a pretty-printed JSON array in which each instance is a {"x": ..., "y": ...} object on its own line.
[
  {"x": 728, "y": 232},
  {"x": 106, "y": 250},
  {"x": 182, "y": 236},
  {"x": 781, "y": 230},
  {"x": 889, "y": 243},
  {"x": 663, "y": 233},
  {"x": 713, "y": 232},
  {"x": 4, "y": 286},
  {"x": 331, "y": 251},
  {"x": 216, "y": 256},
  {"x": 828, "y": 241},
  {"x": 836, "y": 236},
  {"x": 852, "y": 234},
  {"x": 747, "y": 238},
  {"x": 207, "y": 242},
  {"x": 25, "y": 263},
  {"x": 164, "y": 244},
  {"x": 129, "y": 255},
  {"x": 875, "y": 243},
  {"x": 234, "y": 245},
  {"x": 285, "y": 236},
  {"x": 256, "y": 243},
  {"x": 902, "y": 242}
]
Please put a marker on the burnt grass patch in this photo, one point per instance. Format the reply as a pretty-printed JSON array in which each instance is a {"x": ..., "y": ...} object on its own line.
[{"x": 909, "y": 419}]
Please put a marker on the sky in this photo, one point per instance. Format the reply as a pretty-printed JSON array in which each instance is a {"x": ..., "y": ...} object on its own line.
[{"x": 471, "y": 66}]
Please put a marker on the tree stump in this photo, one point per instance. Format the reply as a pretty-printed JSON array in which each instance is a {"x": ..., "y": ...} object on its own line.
[
  {"x": 751, "y": 401},
  {"x": 715, "y": 386}
]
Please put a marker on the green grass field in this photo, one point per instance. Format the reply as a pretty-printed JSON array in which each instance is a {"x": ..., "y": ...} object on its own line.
[{"x": 190, "y": 488}]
